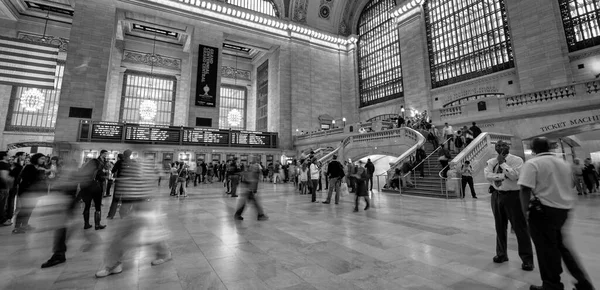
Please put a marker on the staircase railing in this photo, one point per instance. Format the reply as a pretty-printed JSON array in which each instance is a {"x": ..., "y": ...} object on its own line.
[
  {"x": 428, "y": 158},
  {"x": 406, "y": 155},
  {"x": 475, "y": 153},
  {"x": 373, "y": 136}
]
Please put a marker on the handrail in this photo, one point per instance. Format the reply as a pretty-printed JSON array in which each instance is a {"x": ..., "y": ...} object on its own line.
[
  {"x": 426, "y": 158},
  {"x": 444, "y": 180}
]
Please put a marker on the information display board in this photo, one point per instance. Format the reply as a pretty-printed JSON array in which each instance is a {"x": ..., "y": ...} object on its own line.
[
  {"x": 107, "y": 131},
  {"x": 205, "y": 136},
  {"x": 135, "y": 133},
  {"x": 151, "y": 134},
  {"x": 255, "y": 139}
]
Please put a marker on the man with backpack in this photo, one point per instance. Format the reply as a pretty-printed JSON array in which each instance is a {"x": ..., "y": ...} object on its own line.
[{"x": 335, "y": 172}]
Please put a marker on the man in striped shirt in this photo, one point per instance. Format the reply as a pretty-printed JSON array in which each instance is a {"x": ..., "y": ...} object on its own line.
[{"x": 136, "y": 188}]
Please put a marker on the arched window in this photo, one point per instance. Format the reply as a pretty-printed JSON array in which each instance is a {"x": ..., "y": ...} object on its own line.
[
  {"x": 581, "y": 19},
  {"x": 380, "y": 69},
  {"x": 261, "y": 6},
  {"x": 466, "y": 39},
  {"x": 148, "y": 99}
]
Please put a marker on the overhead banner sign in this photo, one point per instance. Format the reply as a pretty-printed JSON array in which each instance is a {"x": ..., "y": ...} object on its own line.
[{"x": 206, "y": 84}]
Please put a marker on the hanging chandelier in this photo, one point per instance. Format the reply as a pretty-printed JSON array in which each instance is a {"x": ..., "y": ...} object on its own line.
[
  {"x": 32, "y": 100},
  {"x": 235, "y": 118},
  {"x": 148, "y": 110}
]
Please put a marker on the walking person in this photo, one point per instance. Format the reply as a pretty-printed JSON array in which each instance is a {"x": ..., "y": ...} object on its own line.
[
  {"x": 31, "y": 187},
  {"x": 303, "y": 178},
  {"x": 173, "y": 177},
  {"x": 116, "y": 171},
  {"x": 549, "y": 179},
  {"x": 66, "y": 185},
  {"x": 313, "y": 175},
  {"x": 15, "y": 174},
  {"x": 250, "y": 193},
  {"x": 466, "y": 171},
  {"x": 448, "y": 135},
  {"x": 420, "y": 157},
  {"x": 5, "y": 185},
  {"x": 91, "y": 189},
  {"x": 476, "y": 131},
  {"x": 335, "y": 173},
  {"x": 370, "y": 172},
  {"x": 503, "y": 174},
  {"x": 590, "y": 176},
  {"x": 136, "y": 190},
  {"x": 360, "y": 179},
  {"x": 444, "y": 159},
  {"x": 182, "y": 175},
  {"x": 234, "y": 172}
]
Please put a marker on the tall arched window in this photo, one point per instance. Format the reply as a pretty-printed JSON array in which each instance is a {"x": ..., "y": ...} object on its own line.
[
  {"x": 380, "y": 69},
  {"x": 581, "y": 19},
  {"x": 466, "y": 39},
  {"x": 148, "y": 99},
  {"x": 261, "y": 6},
  {"x": 232, "y": 108}
]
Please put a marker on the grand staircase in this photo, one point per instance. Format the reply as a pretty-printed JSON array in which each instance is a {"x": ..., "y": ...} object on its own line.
[{"x": 431, "y": 185}]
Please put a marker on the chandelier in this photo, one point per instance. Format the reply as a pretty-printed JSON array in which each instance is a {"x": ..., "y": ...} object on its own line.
[
  {"x": 32, "y": 100},
  {"x": 148, "y": 110},
  {"x": 235, "y": 118}
]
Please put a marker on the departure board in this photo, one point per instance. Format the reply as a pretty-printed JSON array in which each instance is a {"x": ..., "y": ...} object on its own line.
[
  {"x": 107, "y": 131},
  {"x": 255, "y": 139},
  {"x": 151, "y": 134},
  {"x": 143, "y": 133},
  {"x": 205, "y": 136}
]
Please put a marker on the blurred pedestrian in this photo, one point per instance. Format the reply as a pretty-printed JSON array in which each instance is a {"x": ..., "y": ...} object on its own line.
[
  {"x": 31, "y": 187},
  {"x": 360, "y": 179},
  {"x": 250, "y": 192}
]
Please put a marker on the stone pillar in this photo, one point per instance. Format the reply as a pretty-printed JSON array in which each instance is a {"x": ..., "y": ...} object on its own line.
[
  {"x": 208, "y": 37},
  {"x": 539, "y": 44},
  {"x": 414, "y": 54},
  {"x": 5, "y": 92},
  {"x": 284, "y": 86},
  {"x": 349, "y": 87},
  {"x": 112, "y": 99},
  {"x": 87, "y": 66}
]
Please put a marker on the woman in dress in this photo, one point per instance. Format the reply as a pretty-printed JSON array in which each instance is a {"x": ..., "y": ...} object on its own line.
[{"x": 360, "y": 180}]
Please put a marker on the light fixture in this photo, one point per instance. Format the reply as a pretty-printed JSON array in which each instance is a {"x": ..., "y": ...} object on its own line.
[
  {"x": 148, "y": 110},
  {"x": 32, "y": 100},
  {"x": 234, "y": 118}
]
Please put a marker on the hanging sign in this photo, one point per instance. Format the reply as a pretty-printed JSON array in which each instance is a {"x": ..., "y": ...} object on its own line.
[{"x": 206, "y": 83}]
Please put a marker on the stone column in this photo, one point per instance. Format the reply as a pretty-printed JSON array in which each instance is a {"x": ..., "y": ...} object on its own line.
[
  {"x": 539, "y": 44},
  {"x": 284, "y": 87},
  {"x": 414, "y": 54},
  {"x": 112, "y": 99},
  {"x": 87, "y": 65}
]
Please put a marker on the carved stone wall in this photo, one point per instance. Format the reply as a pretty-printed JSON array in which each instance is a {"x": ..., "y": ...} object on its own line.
[
  {"x": 151, "y": 59},
  {"x": 233, "y": 73},
  {"x": 62, "y": 43},
  {"x": 325, "y": 8}
]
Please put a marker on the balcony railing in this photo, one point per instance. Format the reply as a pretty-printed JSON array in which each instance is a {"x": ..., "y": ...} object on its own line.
[{"x": 548, "y": 98}]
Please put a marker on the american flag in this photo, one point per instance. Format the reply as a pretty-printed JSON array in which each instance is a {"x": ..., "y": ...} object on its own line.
[{"x": 27, "y": 64}]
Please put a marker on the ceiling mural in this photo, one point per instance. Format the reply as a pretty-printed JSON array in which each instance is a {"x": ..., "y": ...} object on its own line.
[{"x": 300, "y": 8}]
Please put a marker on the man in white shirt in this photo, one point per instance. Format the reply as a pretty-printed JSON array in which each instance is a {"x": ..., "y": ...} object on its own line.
[
  {"x": 550, "y": 180},
  {"x": 448, "y": 134},
  {"x": 503, "y": 174}
]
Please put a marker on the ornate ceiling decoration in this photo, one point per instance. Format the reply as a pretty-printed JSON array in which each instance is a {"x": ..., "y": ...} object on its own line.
[
  {"x": 233, "y": 73},
  {"x": 149, "y": 59}
]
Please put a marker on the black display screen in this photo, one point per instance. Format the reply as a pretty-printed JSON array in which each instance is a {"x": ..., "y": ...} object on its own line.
[
  {"x": 255, "y": 139},
  {"x": 151, "y": 134},
  {"x": 205, "y": 136},
  {"x": 107, "y": 131}
]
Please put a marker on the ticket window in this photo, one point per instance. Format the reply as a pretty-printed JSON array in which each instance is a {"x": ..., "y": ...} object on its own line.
[
  {"x": 135, "y": 155},
  {"x": 269, "y": 159},
  {"x": 167, "y": 160},
  {"x": 216, "y": 158},
  {"x": 150, "y": 156},
  {"x": 200, "y": 158},
  {"x": 244, "y": 159},
  {"x": 230, "y": 157},
  {"x": 89, "y": 155},
  {"x": 185, "y": 158},
  {"x": 112, "y": 156}
]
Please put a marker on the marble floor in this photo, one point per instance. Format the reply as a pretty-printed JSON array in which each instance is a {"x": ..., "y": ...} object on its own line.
[{"x": 402, "y": 243}]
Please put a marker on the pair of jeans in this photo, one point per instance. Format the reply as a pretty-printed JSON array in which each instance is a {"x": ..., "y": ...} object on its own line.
[
  {"x": 546, "y": 229},
  {"x": 4, "y": 194},
  {"x": 506, "y": 206},
  {"x": 235, "y": 181},
  {"x": 250, "y": 196},
  {"x": 313, "y": 189},
  {"x": 334, "y": 183},
  {"x": 181, "y": 186},
  {"x": 468, "y": 180},
  {"x": 10, "y": 204},
  {"x": 62, "y": 234},
  {"x": 370, "y": 182}
]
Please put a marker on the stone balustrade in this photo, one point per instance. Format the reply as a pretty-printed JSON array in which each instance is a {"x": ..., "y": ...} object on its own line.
[{"x": 522, "y": 103}]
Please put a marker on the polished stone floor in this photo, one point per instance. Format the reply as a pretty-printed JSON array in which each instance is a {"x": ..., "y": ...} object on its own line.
[{"x": 403, "y": 243}]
